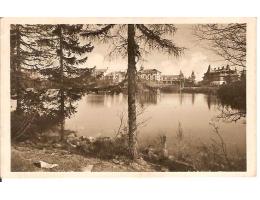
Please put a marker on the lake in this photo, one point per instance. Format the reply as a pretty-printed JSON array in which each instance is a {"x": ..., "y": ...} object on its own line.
[{"x": 163, "y": 113}]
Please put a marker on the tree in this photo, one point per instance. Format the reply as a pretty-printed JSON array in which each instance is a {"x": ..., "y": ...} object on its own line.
[
  {"x": 55, "y": 51},
  {"x": 134, "y": 40},
  {"x": 69, "y": 52},
  {"x": 25, "y": 54},
  {"x": 226, "y": 40},
  {"x": 229, "y": 42}
]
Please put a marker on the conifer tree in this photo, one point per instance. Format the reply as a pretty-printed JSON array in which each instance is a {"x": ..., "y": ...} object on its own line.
[
  {"x": 25, "y": 55},
  {"x": 69, "y": 53},
  {"x": 132, "y": 41}
]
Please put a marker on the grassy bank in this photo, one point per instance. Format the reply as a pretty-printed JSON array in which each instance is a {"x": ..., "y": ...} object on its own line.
[
  {"x": 24, "y": 157},
  {"x": 110, "y": 154}
]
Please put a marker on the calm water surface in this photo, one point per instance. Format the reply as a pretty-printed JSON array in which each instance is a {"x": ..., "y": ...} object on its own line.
[{"x": 98, "y": 115}]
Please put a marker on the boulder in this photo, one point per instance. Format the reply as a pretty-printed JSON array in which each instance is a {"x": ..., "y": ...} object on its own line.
[
  {"x": 88, "y": 168},
  {"x": 83, "y": 138},
  {"x": 72, "y": 135},
  {"x": 42, "y": 164},
  {"x": 116, "y": 161},
  {"x": 90, "y": 139},
  {"x": 57, "y": 145}
]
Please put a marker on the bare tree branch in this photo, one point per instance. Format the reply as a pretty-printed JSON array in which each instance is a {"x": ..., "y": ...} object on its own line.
[{"x": 226, "y": 40}]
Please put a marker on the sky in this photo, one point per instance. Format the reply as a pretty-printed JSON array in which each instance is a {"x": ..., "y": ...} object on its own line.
[{"x": 197, "y": 57}]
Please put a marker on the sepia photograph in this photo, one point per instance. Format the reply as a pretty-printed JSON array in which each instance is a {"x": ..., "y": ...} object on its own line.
[{"x": 130, "y": 97}]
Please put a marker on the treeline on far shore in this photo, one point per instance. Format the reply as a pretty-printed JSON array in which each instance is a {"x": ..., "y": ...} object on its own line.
[{"x": 233, "y": 94}]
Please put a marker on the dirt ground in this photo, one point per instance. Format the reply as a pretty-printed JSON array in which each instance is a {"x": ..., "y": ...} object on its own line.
[{"x": 23, "y": 158}]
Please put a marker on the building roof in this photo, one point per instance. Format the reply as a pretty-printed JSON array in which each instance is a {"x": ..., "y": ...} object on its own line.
[
  {"x": 170, "y": 77},
  {"x": 149, "y": 71},
  {"x": 220, "y": 69},
  {"x": 114, "y": 73}
]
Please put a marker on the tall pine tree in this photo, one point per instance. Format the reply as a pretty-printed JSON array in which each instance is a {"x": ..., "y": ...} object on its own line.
[
  {"x": 69, "y": 52},
  {"x": 133, "y": 40},
  {"x": 26, "y": 56}
]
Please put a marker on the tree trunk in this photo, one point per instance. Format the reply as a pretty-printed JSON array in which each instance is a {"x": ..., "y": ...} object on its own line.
[
  {"x": 62, "y": 112},
  {"x": 131, "y": 72},
  {"x": 18, "y": 70}
]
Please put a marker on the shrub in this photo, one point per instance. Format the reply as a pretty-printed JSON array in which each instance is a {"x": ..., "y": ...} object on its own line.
[{"x": 233, "y": 94}]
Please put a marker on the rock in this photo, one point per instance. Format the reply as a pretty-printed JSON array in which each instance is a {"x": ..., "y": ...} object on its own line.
[
  {"x": 73, "y": 140},
  {"x": 88, "y": 168},
  {"x": 116, "y": 161},
  {"x": 71, "y": 135},
  {"x": 164, "y": 169},
  {"x": 42, "y": 164},
  {"x": 57, "y": 145},
  {"x": 28, "y": 142},
  {"x": 153, "y": 156},
  {"x": 141, "y": 161},
  {"x": 136, "y": 166},
  {"x": 72, "y": 145},
  {"x": 91, "y": 139},
  {"x": 82, "y": 143},
  {"x": 171, "y": 157},
  {"x": 83, "y": 138}
]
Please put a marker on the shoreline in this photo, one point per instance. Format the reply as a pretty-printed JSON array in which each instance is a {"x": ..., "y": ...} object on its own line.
[{"x": 105, "y": 154}]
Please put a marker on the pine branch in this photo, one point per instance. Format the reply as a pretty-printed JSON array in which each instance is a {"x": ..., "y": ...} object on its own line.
[
  {"x": 98, "y": 32},
  {"x": 154, "y": 40}
]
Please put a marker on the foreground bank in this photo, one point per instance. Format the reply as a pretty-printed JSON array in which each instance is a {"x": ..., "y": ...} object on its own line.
[{"x": 88, "y": 154}]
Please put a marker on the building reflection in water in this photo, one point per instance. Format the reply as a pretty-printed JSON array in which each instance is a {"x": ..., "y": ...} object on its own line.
[
  {"x": 192, "y": 98},
  {"x": 149, "y": 98},
  {"x": 211, "y": 100},
  {"x": 107, "y": 100},
  {"x": 96, "y": 100},
  {"x": 181, "y": 98}
]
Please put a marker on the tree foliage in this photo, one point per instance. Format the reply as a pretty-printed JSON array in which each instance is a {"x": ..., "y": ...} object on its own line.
[
  {"x": 133, "y": 41},
  {"x": 226, "y": 40},
  {"x": 25, "y": 55},
  {"x": 68, "y": 51}
]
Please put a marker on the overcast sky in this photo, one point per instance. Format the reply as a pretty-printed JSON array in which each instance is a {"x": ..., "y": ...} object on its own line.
[{"x": 196, "y": 57}]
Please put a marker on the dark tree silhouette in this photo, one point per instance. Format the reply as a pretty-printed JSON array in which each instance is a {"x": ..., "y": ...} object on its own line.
[
  {"x": 226, "y": 40},
  {"x": 134, "y": 40},
  {"x": 69, "y": 52},
  {"x": 25, "y": 54},
  {"x": 55, "y": 51}
]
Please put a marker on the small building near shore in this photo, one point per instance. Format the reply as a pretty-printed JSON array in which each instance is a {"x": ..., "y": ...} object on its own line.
[
  {"x": 115, "y": 77},
  {"x": 149, "y": 74},
  {"x": 220, "y": 75},
  {"x": 173, "y": 79}
]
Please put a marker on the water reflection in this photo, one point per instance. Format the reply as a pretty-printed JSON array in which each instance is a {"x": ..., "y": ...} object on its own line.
[
  {"x": 212, "y": 100},
  {"x": 193, "y": 98},
  {"x": 93, "y": 115},
  {"x": 106, "y": 100},
  {"x": 165, "y": 111},
  {"x": 96, "y": 100},
  {"x": 148, "y": 98},
  {"x": 151, "y": 98}
]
